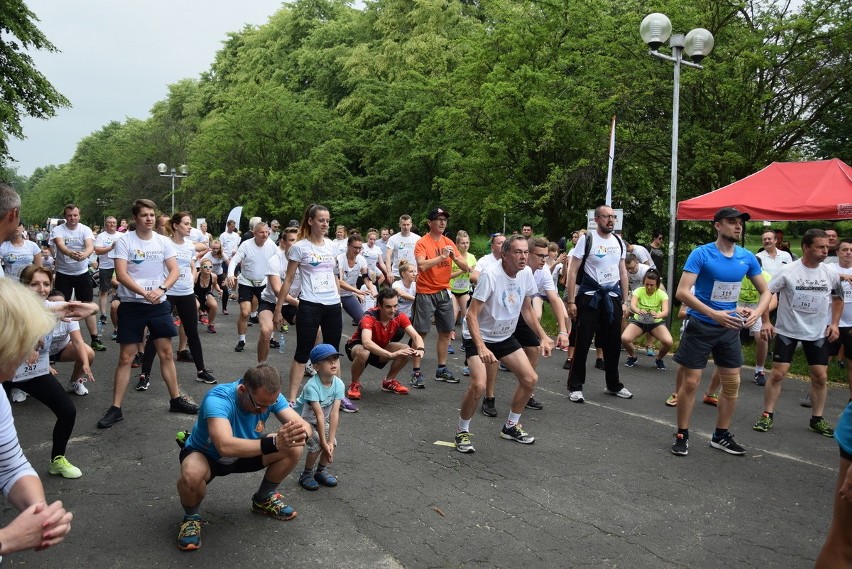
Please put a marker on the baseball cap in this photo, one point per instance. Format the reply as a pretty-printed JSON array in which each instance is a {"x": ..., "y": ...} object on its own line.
[
  {"x": 438, "y": 211},
  {"x": 730, "y": 212},
  {"x": 322, "y": 352}
]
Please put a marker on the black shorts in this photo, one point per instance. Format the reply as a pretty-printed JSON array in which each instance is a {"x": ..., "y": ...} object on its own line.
[
  {"x": 105, "y": 279},
  {"x": 460, "y": 294},
  {"x": 134, "y": 317},
  {"x": 645, "y": 327},
  {"x": 500, "y": 349},
  {"x": 372, "y": 359},
  {"x": 525, "y": 335},
  {"x": 246, "y": 292},
  {"x": 241, "y": 465},
  {"x": 699, "y": 339},
  {"x": 844, "y": 340},
  {"x": 816, "y": 351},
  {"x": 79, "y": 285},
  {"x": 288, "y": 311}
]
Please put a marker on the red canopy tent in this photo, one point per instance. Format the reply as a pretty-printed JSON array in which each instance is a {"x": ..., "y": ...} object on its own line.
[{"x": 788, "y": 191}]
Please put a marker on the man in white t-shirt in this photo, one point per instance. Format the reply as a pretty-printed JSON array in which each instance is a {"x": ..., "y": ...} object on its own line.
[
  {"x": 74, "y": 243},
  {"x": 844, "y": 268},
  {"x": 146, "y": 268},
  {"x": 104, "y": 243},
  {"x": 276, "y": 272},
  {"x": 384, "y": 235},
  {"x": 10, "y": 213},
  {"x": 642, "y": 255},
  {"x": 252, "y": 257},
  {"x": 401, "y": 246},
  {"x": 772, "y": 258},
  {"x": 599, "y": 303},
  {"x": 806, "y": 288},
  {"x": 502, "y": 296}
]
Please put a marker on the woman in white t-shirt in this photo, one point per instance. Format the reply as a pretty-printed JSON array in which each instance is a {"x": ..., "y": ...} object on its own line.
[
  {"x": 182, "y": 298},
  {"x": 217, "y": 257},
  {"x": 18, "y": 253},
  {"x": 313, "y": 255},
  {"x": 352, "y": 269}
]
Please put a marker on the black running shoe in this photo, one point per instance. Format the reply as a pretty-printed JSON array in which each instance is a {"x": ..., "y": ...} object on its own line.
[
  {"x": 681, "y": 445},
  {"x": 726, "y": 443},
  {"x": 143, "y": 383},
  {"x": 183, "y": 404},
  {"x": 110, "y": 418},
  {"x": 488, "y": 408},
  {"x": 204, "y": 376},
  {"x": 241, "y": 345}
]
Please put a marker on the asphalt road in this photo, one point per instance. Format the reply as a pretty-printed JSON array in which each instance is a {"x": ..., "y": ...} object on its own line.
[{"x": 599, "y": 488}]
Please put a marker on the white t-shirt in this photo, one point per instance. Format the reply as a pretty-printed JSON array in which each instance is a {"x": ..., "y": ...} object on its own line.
[
  {"x": 804, "y": 297},
  {"x": 253, "y": 261},
  {"x": 230, "y": 242},
  {"x": 603, "y": 262},
  {"x": 15, "y": 258},
  {"x": 372, "y": 256},
  {"x": 348, "y": 274},
  {"x": 146, "y": 262},
  {"x": 277, "y": 265},
  {"x": 485, "y": 261},
  {"x": 215, "y": 261},
  {"x": 185, "y": 254},
  {"x": 846, "y": 287},
  {"x": 634, "y": 280},
  {"x": 76, "y": 241},
  {"x": 404, "y": 304},
  {"x": 62, "y": 335},
  {"x": 543, "y": 281},
  {"x": 402, "y": 248},
  {"x": 340, "y": 246},
  {"x": 643, "y": 256},
  {"x": 773, "y": 264},
  {"x": 503, "y": 298},
  {"x": 317, "y": 266},
  {"x": 105, "y": 239}
]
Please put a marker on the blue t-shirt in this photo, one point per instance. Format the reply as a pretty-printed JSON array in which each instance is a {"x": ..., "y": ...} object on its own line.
[
  {"x": 843, "y": 432},
  {"x": 314, "y": 390},
  {"x": 222, "y": 402},
  {"x": 719, "y": 277}
]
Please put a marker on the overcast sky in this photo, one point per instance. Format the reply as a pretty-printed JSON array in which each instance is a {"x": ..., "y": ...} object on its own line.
[{"x": 117, "y": 57}]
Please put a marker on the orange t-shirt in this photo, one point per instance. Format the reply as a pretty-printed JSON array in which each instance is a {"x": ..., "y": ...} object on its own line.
[{"x": 437, "y": 278}]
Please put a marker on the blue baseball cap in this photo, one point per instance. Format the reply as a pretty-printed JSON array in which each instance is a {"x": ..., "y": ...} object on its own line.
[{"x": 323, "y": 352}]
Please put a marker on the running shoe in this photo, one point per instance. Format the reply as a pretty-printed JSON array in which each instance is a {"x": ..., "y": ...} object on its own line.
[
  {"x": 661, "y": 365},
  {"x": 325, "y": 478},
  {"x": 463, "y": 443},
  {"x": 354, "y": 391},
  {"x": 822, "y": 427},
  {"x": 77, "y": 388},
  {"x": 517, "y": 434},
  {"x": 451, "y": 349},
  {"x": 503, "y": 367},
  {"x": 189, "y": 536},
  {"x": 393, "y": 386},
  {"x": 806, "y": 400},
  {"x": 18, "y": 396},
  {"x": 681, "y": 445},
  {"x": 137, "y": 360},
  {"x": 622, "y": 393},
  {"x": 63, "y": 468},
  {"x": 533, "y": 404},
  {"x": 466, "y": 371},
  {"x": 114, "y": 335},
  {"x": 567, "y": 364},
  {"x": 711, "y": 399},
  {"x": 763, "y": 424},
  {"x": 97, "y": 345},
  {"x": 444, "y": 374},
  {"x": 672, "y": 400},
  {"x": 599, "y": 363},
  {"x": 103, "y": 318},
  {"x": 225, "y": 312},
  {"x": 347, "y": 406},
  {"x": 110, "y": 418},
  {"x": 204, "y": 319},
  {"x": 308, "y": 482},
  {"x": 488, "y": 408},
  {"x": 211, "y": 328},
  {"x": 760, "y": 378},
  {"x": 285, "y": 328},
  {"x": 725, "y": 442},
  {"x": 309, "y": 370},
  {"x": 631, "y": 361},
  {"x": 576, "y": 396},
  {"x": 143, "y": 383},
  {"x": 416, "y": 380},
  {"x": 650, "y": 352},
  {"x": 273, "y": 343},
  {"x": 204, "y": 376},
  {"x": 185, "y": 356},
  {"x": 274, "y": 507},
  {"x": 254, "y": 320},
  {"x": 183, "y": 404},
  {"x": 241, "y": 345}
]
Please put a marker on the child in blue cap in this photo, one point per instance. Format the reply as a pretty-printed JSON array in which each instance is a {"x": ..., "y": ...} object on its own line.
[{"x": 319, "y": 405}]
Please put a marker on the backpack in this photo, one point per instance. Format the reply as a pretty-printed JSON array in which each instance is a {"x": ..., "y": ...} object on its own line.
[{"x": 587, "y": 252}]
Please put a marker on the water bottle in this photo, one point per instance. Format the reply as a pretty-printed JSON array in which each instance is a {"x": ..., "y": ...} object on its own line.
[
  {"x": 282, "y": 341},
  {"x": 100, "y": 326}
]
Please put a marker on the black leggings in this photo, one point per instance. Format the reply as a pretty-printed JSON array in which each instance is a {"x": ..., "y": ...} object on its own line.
[
  {"x": 46, "y": 388},
  {"x": 312, "y": 317},
  {"x": 225, "y": 291},
  {"x": 188, "y": 314}
]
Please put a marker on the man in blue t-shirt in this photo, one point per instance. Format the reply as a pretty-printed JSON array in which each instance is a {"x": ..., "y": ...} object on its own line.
[
  {"x": 713, "y": 323},
  {"x": 229, "y": 438}
]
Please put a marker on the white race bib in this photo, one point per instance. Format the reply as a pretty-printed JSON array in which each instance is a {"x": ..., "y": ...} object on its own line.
[
  {"x": 323, "y": 282},
  {"x": 646, "y": 319},
  {"x": 504, "y": 327},
  {"x": 608, "y": 275},
  {"x": 725, "y": 292},
  {"x": 148, "y": 285},
  {"x": 461, "y": 284},
  {"x": 847, "y": 292},
  {"x": 807, "y": 303}
]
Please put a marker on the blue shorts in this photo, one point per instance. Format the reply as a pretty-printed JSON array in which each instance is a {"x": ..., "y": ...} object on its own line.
[{"x": 134, "y": 317}]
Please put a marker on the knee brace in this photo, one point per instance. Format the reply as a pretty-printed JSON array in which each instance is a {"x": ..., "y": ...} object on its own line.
[{"x": 730, "y": 385}]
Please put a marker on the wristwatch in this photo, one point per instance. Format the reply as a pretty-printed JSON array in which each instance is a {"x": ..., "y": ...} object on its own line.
[{"x": 163, "y": 288}]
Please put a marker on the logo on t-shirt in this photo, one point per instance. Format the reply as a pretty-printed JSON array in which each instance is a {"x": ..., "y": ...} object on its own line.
[{"x": 510, "y": 296}]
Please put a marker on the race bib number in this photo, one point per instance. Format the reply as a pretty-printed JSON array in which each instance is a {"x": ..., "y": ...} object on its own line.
[
  {"x": 847, "y": 292},
  {"x": 148, "y": 285},
  {"x": 725, "y": 292},
  {"x": 646, "y": 319},
  {"x": 462, "y": 284},
  {"x": 608, "y": 275},
  {"x": 807, "y": 303},
  {"x": 37, "y": 369},
  {"x": 504, "y": 327},
  {"x": 323, "y": 282}
]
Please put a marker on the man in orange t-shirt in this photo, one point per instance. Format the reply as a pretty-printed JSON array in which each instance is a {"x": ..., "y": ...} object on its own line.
[{"x": 435, "y": 254}]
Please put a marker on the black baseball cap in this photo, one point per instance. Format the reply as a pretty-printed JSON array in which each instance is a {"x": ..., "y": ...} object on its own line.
[
  {"x": 438, "y": 212},
  {"x": 729, "y": 213}
]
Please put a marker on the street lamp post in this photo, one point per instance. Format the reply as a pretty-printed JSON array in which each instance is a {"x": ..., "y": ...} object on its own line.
[
  {"x": 181, "y": 172},
  {"x": 655, "y": 29},
  {"x": 102, "y": 203}
]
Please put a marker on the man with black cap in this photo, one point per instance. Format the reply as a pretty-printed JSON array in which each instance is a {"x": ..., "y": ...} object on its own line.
[
  {"x": 435, "y": 254},
  {"x": 713, "y": 323}
]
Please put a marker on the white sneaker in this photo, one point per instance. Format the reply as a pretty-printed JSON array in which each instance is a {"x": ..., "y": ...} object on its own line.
[
  {"x": 77, "y": 388},
  {"x": 576, "y": 397},
  {"x": 309, "y": 369},
  {"x": 18, "y": 396},
  {"x": 623, "y": 393}
]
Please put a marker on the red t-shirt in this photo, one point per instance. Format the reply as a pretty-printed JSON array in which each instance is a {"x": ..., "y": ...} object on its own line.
[
  {"x": 383, "y": 334},
  {"x": 437, "y": 278}
]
